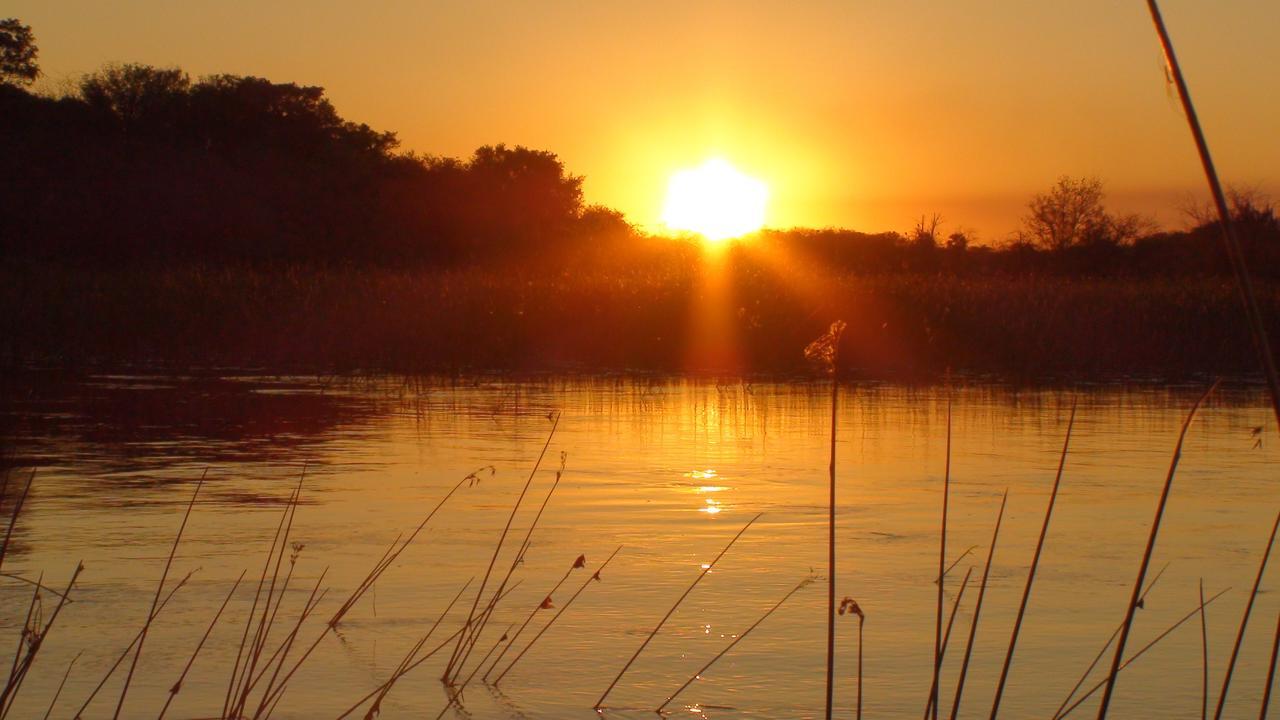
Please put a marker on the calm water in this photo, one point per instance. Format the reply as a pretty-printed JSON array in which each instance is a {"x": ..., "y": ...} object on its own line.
[{"x": 669, "y": 470}]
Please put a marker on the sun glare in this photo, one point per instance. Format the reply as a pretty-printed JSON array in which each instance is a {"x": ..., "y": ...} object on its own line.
[{"x": 716, "y": 201}]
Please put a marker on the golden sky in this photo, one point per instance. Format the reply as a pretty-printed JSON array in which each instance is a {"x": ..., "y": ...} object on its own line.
[{"x": 856, "y": 113}]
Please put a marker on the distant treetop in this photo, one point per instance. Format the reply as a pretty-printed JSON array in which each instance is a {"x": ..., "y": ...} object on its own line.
[{"x": 18, "y": 53}]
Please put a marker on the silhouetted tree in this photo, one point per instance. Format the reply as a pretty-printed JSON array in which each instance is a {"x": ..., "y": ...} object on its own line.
[
  {"x": 18, "y": 53},
  {"x": 1071, "y": 213},
  {"x": 924, "y": 236}
]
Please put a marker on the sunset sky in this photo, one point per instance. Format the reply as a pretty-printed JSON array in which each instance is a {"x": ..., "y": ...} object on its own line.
[{"x": 858, "y": 114}]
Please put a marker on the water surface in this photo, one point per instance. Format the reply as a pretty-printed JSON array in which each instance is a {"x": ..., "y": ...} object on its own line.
[{"x": 669, "y": 470}]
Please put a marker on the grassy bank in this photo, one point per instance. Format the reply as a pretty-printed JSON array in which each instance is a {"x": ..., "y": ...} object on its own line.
[{"x": 625, "y": 318}]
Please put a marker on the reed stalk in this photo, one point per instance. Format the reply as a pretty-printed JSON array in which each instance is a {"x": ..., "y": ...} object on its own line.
[
  {"x": 596, "y": 577},
  {"x": 237, "y": 673},
  {"x": 1035, "y": 563},
  {"x": 1244, "y": 619},
  {"x": 1132, "y": 607},
  {"x": 580, "y": 562},
  {"x": 17, "y": 509},
  {"x": 1204, "y": 658},
  {"x": 977, "y": 610},
  {"x": 942, "y": 569},
  {"x": 142, "y": 639},
  {"x": 670, "y": 612},
  {"x": 946, "y": 637},
  {"x": 733, "y": 644},
  {"x": 58, "y": 693},
  {"x": 1140, "y": 653},
  {"x": 515, "y": 562},
  {"x": 447, "y": 677},
  {"x": 1103, "y": 650},
  {"x": 177, "y": 686},
  {"x": 385, "y": 687},
  {"x": 35, "y": 641},
  {"x": 396, "y": 548},
  {"x": 120, "y": 660},
  {"x": 1271, "y": 673}
]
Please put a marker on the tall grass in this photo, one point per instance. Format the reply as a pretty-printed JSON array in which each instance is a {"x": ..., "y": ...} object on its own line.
[
  {"x": 899, "y": 325},
  {"x": 707, "y": 567},
  {"x": 1132, "y": 607}
]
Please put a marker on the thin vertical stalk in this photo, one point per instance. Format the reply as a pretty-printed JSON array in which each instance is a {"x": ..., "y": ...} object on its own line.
[
  {"x": 942, "y": 570},
  {"x": 515, "y": 562},
  {"x": 1244, "y": 619},
  {"x": 396, "y": 548},
  {"x": 831, "y": 533},
  {"x": 730, "y": 646},
  {"x": 1235, "y": 253},
  {"x": 155, "y": 600},
  {"x": 1145, "y": 648},
  {"x": 1132, "y": 607},
  {"x": 977, "y": 609},
  {"x": 1097, "y": 658},
  {"x": 177, "y": 686},
  {"x": 594, "y": 576},
  {"x": 1271, "y": 673},
  {"x": 946, "y": 637},
  {"x": 1035, "y": 563},
  {"x": 447, "y": 677},
  {"x": 1204, "y": 658},
  {"x": 58, "y": 693},
  {"x": 861, "y": 622},
  {"x": 17, "y": 508},
  {"x": 580, "y": 562},
  {"x": 119, "y": 660},
  {"x": 39, "y": 635},
  {"x": 670, "y": 612}
]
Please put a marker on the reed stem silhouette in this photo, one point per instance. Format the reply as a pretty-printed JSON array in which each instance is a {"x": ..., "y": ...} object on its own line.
[
  {"x": 1230, "y": 239},
  {"x": 1244, "y": 619},
  {"x": 1035, "y": 563},
  {"x": 1103, "y": 650},
  {"x": 58, "y": 693},
  {"x": 977, "y": 609},
  {"x": 580, "y": 562},
  {"x": 731, "y": 645},
  {"x": 1271, "y": 673},
  {"x": 515, "y": 562},
  {"x": 1204, "y": 658},
  {"x": 594, "y": 576},
  {"x": 1132, "y": 607},
  {"x": 396, "y": 547},
  {"x": 382, "y": 690},
  {"x": 956, "y": 562},
  {"x": 119, "y": 660},
  {"x": 942, "y": 569},
  {"x": 1140, "y": 653},
  {"x": 663, "y": 621},
  {"x": 17, "y": 509},
  {"x": 142, "y": 639},
  {"x": 35, "y": 635},
  {"x": 447, "y": 677},
  {"x": 946, "y": 637},
  {"x": 237, "y": 671},
  {"x": 177, "y": 686}
]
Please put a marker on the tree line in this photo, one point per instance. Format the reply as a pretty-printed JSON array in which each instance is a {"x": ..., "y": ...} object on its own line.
[{"x": 141, "y": 165}]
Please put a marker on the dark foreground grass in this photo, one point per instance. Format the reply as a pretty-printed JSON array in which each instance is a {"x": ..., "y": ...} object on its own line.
[{"x": 635, "y": 318}]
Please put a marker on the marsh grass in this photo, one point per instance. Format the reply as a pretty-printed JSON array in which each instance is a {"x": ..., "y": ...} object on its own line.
[
  {"x": 977, "y": 609},
  {"x": 901, "y": 325},
  {"x": 1127, "y": 624}
]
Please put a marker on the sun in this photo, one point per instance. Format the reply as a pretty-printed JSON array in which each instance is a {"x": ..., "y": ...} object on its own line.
[{"x": 716, "y": 201}]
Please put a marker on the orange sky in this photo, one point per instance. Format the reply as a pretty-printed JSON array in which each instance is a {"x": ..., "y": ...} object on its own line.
[{"x": 859, "y": 114}]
